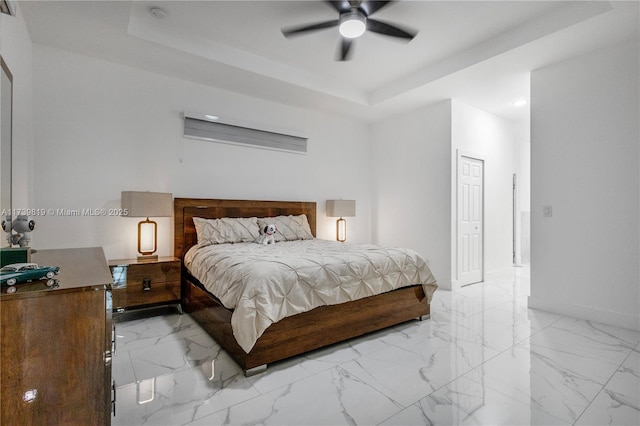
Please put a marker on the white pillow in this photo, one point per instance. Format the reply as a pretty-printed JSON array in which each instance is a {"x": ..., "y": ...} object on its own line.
[
  {"x": 290, "y": 228},
  {"x": 226, "y": 230}
]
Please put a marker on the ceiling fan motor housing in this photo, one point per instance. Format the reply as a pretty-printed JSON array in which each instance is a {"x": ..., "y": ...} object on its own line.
[{"x": 353, "y": 21}]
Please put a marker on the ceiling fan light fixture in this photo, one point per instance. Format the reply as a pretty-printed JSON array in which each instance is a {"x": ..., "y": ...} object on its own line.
[{"x": 352, "y": 24}]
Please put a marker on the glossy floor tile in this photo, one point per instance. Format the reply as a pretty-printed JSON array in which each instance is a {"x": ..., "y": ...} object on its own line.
[{"x": 483, "y": 358}]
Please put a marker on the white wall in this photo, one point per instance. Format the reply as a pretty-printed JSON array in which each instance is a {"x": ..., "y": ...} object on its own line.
[
  {"x": 411, "y": 163},
  {"x": 523, "y": 236},
  {"x": 414, "y": 164},
  {"x": 16, "y": 49},
  {"x": 585, "y": 164},
  {"x": 494, "y": 140},
  {"x": 102, "y": 128}
]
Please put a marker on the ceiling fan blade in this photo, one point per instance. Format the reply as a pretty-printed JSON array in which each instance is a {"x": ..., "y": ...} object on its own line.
[
  {"x": 340, "y": 6},
  {"x": 287, "y": 32},
  {"x": 345, "y": 49},
  {"x": 390, "y": 30},
  {"x": 369, "y": 6}
]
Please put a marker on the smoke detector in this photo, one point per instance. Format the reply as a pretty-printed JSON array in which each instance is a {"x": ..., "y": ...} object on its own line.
[{"x": 158, "y": 13}]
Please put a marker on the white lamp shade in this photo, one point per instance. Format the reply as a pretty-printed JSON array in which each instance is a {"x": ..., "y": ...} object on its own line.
[
  {"x": 341, "y": 208},
  {"x": 147, "y": 204}
]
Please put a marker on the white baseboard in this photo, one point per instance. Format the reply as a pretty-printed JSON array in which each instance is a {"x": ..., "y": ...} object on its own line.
[{"x": 586, "y": 312}]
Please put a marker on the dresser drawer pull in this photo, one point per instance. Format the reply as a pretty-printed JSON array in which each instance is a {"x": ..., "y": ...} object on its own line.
[
  {"x": 146, "y": 284},
  {"x": 113, "y": 340},
  {"x": 113, "y": 397}
]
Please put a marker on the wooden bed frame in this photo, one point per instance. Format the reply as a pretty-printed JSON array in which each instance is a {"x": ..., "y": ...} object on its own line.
[{"x": 293, "y": 335}]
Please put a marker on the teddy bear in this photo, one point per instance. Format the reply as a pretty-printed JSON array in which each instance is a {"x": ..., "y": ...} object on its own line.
[{"x": 268, "y": 234}]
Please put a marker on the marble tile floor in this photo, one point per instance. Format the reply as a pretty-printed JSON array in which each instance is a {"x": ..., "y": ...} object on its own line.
[{"x": 482, "y": 359}]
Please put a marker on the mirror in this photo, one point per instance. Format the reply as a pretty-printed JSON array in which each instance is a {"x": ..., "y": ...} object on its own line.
[{"x": 6, "y": 112}]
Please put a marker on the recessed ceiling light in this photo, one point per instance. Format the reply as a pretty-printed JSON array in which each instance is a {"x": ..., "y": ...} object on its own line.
[
  {"x": 211, "y": 117},
  {"x": 158, "y": 13},
  {"x": 520, "y": 102}
]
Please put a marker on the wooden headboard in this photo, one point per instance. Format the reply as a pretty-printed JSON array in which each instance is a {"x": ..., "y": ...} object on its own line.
[{"x": 185, "y": 209}]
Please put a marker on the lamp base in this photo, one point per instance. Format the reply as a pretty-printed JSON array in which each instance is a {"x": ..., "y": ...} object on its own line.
[
  {"x": 341, "y": 230},
  {"x": 148, "y": 258}
]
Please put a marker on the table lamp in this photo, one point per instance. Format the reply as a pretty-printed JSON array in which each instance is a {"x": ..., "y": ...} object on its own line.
[
  {"x": 147, "y": 204},
  {"x": 341, "y": 209}
]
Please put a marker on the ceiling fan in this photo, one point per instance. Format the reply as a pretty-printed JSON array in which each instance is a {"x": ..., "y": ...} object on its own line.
[{"x": 354, "y": 19}]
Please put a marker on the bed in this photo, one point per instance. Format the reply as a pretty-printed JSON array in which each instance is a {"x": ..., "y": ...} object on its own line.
[{"x": 290, "y": 335}]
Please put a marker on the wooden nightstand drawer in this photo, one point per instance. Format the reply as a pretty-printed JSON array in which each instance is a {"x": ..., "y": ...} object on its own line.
[
  {"x": 156, "y": 272},
  {"x": 141, "y": 284},
  {"x": 135, "y": 295}
]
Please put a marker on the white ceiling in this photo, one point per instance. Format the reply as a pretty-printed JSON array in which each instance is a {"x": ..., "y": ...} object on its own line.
[{"x": 480, "y": 52}]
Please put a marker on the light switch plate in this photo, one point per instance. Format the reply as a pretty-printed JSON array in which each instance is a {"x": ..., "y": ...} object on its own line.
[{"x": 547, "y": 211}]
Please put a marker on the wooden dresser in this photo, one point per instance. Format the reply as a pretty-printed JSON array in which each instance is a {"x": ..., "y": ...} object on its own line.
[{"x": 56, "y": 343}]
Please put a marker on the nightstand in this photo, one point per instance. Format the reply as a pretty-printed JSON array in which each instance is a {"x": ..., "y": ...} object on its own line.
[{"x": 144, "y": 284}]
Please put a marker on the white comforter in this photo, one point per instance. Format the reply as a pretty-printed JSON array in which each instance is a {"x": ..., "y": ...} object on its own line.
[{"x": 264, "y": 284}]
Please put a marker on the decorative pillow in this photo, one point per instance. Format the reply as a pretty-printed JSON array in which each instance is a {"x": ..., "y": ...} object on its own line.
[
  {"x": 290, "y": 228},
  {"x": 226, "y": 230}
]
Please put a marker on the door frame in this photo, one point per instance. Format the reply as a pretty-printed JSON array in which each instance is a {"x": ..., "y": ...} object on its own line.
[{"x": 455, "y": 282}]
